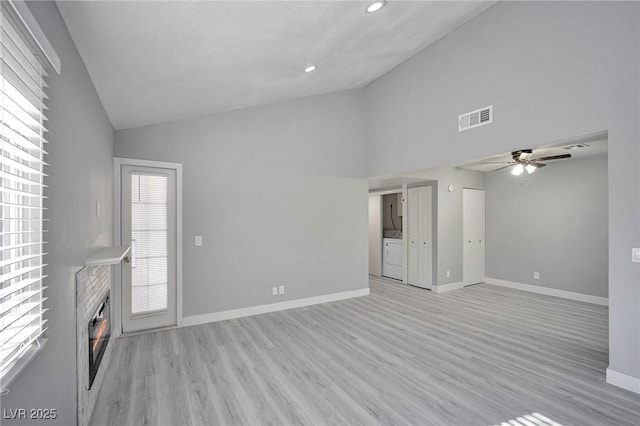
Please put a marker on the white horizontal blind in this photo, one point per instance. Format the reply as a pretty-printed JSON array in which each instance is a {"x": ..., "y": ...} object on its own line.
[
  {"x": 149, "y": 242},
  {"x": 21, "y": 174}
]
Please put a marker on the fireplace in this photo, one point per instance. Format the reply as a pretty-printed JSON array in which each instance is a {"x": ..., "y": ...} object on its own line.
[{"x": 99, "y": 335}]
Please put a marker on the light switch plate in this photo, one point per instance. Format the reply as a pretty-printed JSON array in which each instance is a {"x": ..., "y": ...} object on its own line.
[
  {"x": 281, "y": 289},
  {"x": 198, "y": 240},
  {"x": 635, "y": 255},
  {"x": 274, "y": 291},
  {"x": 536, "y": 275}
]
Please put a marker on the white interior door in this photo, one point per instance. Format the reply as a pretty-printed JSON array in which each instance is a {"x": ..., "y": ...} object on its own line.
[
  {"x": 148, "y": 225},
  {"x": 413, "y": 258},
  {"x": 473, "y": 236},
  {"x": 424, "y": 237},
  {"x": 420, "y": 270}
]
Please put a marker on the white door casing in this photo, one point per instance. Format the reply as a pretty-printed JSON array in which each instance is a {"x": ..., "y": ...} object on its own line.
[
  {"x": 473, "y": 234},
  {"x": 375, "y": 235}
]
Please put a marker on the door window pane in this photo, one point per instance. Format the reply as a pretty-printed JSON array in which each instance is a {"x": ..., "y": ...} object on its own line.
[{"x": 149, "y": 242}]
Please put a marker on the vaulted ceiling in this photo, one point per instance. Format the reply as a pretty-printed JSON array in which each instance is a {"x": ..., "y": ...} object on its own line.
[{"x": 161, "y": 61}]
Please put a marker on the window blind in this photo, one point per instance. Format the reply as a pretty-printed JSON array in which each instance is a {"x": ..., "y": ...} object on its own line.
[
  {"x": 149, "y": 242},
  {"x": 21, "y": 209}
]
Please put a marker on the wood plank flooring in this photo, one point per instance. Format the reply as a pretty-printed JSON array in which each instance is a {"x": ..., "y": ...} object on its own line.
[{"x": 478, "y": 356}]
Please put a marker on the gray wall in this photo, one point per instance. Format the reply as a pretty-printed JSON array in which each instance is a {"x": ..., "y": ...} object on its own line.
[
  {"x": 555, "y": 224},
  {"x": 287, "y": 179},
  {"x": 448, "y": 218},
  {"x": 552, "y": 70},
  {"x": 81, "y": 158}
]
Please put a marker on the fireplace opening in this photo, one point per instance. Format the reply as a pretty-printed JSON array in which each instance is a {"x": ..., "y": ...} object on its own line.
[{"x": 99, "y": 335}]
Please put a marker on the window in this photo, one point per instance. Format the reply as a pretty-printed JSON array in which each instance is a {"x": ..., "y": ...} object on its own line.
[{"x": 21, "y": 208}]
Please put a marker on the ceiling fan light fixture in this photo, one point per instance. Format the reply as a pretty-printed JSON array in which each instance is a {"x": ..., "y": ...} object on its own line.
[
  {"x": 530, "y": 168},
  {"x": 517, "y": 170},
  {"x": 376, "y": 6}
]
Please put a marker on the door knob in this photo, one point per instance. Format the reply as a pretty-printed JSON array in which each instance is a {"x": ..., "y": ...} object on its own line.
[
  {"x": 126, "y": 259},
  {"x": 479, "y": 241},
  {"x": 469, "y": 240}
]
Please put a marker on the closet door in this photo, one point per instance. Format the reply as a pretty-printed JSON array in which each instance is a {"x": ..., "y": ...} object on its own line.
[
  {"x": 413, "y": 242},
  {"x": 425, "y": 242},
  {"x": 420, "y": 243},
  {"x": 473, "y": 256}
]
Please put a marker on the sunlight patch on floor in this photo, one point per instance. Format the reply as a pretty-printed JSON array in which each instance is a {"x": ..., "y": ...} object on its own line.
[{"x": 533, "y": 419}]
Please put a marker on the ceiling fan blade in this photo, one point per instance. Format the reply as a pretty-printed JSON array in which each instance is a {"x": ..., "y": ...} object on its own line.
[
  {"x": 538, "y": 165},
  {"x": 508, "y": 165},
  {"x": 553, "y": 157},
  {"x": 498, "y": 162}
]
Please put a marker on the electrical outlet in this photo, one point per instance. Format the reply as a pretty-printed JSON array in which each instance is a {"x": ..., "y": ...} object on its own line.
[
  {"x": 448, "y": 273},
  {"x": 635, "y": 255},
  {"x": 281, "y": 289},
  {"x": 198, "y": 240},
  {"x": 274, "y": 291},
  {"x": 536, "y": 275}
]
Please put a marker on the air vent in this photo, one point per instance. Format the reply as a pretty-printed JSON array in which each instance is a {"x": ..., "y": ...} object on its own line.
[
  {"x": 476, "y": 118},
  {"x": 576, "y": 146}
]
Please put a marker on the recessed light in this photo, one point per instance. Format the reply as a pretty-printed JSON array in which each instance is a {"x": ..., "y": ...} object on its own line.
[
  {"x": 310, "y": 68},
  {"x": 376, "y": 6}
]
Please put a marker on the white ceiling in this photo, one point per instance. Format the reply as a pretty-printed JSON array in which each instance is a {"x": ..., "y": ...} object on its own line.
[{"x": 160, "y": 61}]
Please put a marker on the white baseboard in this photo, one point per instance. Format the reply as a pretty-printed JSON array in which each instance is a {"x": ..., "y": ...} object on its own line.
[
  {"x": 271, "y": 307},
  {"x": 623, "y": 381},
  {"x": 443, "y": 288},
  {"x": 549, "y": 291}
]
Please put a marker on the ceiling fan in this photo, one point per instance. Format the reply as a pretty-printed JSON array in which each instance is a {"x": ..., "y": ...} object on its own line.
[{"x": 524, "y": 161}]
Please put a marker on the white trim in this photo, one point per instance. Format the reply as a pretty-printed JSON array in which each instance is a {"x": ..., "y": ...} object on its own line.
[
  {"x": 118, "y": 162},
  {"x": 580, "y": 297},
  {"x": 623, "y": 381},
  {"x": 385, "y": 192},
  {"x": 443, "y": 288},
  {"x": 405, "y": 238},
  {"x": 178, "y": 168},
  {"x": 116, "y": 315},
  {"x": 39, "y": 37},
  {"x": 271, "y": 307}
]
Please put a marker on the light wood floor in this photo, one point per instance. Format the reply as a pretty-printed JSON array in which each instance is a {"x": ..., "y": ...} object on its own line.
[{"x": 478, "y": 356}]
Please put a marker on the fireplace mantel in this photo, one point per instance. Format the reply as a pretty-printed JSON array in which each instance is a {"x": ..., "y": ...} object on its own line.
[{"x": 107, "y": 256}]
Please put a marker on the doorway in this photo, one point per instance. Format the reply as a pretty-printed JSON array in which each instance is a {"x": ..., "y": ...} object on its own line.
[
  {"x": 473, "y": 224},
  {"x": 150, "y": 208},
  {"x": 386, "y": 241}
]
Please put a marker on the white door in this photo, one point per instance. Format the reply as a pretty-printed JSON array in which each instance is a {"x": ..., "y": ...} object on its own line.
[
  {"x": 420, "y": 272},
  {"x": 413, "y": 261},
  {"x": 473, "y": 236},
  {"x": 424, "y": 237},
  {"x": 148, "y": 225}
]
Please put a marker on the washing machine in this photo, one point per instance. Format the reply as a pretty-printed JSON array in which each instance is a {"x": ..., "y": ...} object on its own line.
[{"x": 392, "y": 258}]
